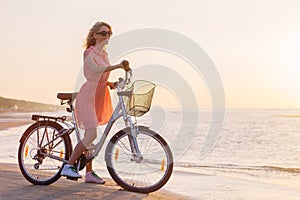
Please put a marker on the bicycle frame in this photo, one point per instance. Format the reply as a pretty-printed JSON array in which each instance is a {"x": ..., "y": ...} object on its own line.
[{"x": 119, "y": 111}]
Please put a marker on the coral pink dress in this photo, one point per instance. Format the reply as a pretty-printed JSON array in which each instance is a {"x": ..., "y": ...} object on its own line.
[{"x": 93, "y": 103}]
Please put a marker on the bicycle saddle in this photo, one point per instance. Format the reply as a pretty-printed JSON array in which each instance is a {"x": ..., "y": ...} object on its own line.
[{"x": 67, "y": 96}]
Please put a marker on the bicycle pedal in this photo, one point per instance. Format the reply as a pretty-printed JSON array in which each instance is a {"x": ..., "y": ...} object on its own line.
[{"x": 72, "y": 178}]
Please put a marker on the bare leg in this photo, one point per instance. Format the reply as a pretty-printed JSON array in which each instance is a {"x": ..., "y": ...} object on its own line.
[
  {"x": 76, "y": 153},
  {"x": 89, "y": 136},
  {"x": 90, "y": 176},
  {"x": 88, "y": 166}
]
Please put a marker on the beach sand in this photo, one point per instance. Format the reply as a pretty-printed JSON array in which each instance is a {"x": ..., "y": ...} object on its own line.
[{"x": 15, "y": 186}]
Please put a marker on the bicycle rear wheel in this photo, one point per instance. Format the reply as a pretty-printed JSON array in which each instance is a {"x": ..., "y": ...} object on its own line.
[
  {"x": 40, "y": 158},
  {"x": 146, "y": 175}
]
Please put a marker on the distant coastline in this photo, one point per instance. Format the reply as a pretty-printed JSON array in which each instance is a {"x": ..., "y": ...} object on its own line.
[{"x": 14, "y": 105}]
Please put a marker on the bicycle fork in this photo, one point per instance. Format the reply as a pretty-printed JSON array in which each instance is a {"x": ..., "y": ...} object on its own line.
[{"x": 137, "y": 156}]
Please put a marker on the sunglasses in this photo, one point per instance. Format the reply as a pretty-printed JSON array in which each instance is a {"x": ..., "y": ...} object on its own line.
[{"x": 104, "y": 33}]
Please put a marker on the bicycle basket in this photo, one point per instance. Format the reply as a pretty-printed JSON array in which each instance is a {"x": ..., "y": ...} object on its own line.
[{"x": 139, "y": 102}]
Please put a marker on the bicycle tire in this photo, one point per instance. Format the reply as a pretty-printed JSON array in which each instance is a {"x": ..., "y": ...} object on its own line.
[
  {"x": 36, "y": 168},
  {"x": 147, "y": 176}
]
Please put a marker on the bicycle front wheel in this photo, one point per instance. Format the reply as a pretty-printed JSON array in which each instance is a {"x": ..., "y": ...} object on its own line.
[
  {"x": 40, "y": 156},
  {"x": 144, "y": 175}
]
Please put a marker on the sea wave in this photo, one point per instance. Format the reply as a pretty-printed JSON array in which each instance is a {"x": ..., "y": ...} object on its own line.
[{"x": 232, "y": 167}]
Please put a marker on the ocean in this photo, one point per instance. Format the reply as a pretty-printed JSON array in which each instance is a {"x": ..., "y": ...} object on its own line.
[{"x": 260, "y": 146}]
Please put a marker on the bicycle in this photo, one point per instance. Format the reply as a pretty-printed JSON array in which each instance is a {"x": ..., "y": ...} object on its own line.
[{"x": 137, "y": 158}]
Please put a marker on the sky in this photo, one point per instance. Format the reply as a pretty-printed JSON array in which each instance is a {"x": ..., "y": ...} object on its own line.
[{"x": 254, "y": 45}]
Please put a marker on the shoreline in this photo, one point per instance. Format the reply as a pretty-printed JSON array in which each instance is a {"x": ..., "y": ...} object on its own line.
[
  {"x": 7, "y": 121},
  {"x": 15, "y": 186},
  {"x": 7, "y": 125},
  {"x": 11, "y": 119}
]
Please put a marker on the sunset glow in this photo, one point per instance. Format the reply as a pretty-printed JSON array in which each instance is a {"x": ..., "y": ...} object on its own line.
[{"x": 256, "y": 53}]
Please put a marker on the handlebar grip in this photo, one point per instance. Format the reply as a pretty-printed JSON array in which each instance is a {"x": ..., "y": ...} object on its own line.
[{"x": 125, "y": 81}]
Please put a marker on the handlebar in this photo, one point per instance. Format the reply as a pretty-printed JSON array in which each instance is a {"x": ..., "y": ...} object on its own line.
[
  {"x": 122, "y": 82},
  {"x": 128, "y": 79}
]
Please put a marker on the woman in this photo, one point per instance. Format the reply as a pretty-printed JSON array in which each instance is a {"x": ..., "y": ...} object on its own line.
[{"x": 93, "y": 103}]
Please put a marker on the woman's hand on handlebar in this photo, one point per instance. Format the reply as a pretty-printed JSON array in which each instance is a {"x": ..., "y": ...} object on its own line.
[
  {"x": 112, "y": 85},
  {"x": 125, "y": 65}
]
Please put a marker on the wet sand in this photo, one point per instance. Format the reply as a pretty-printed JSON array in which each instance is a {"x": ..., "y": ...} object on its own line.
[{"x": 15, "y": 186}]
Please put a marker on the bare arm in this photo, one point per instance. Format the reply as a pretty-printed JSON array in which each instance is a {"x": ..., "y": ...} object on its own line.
[{"x": 101, "y": 69}]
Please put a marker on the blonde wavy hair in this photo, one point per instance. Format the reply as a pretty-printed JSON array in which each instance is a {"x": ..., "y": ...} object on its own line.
[{"x": 90, "y": 40}]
